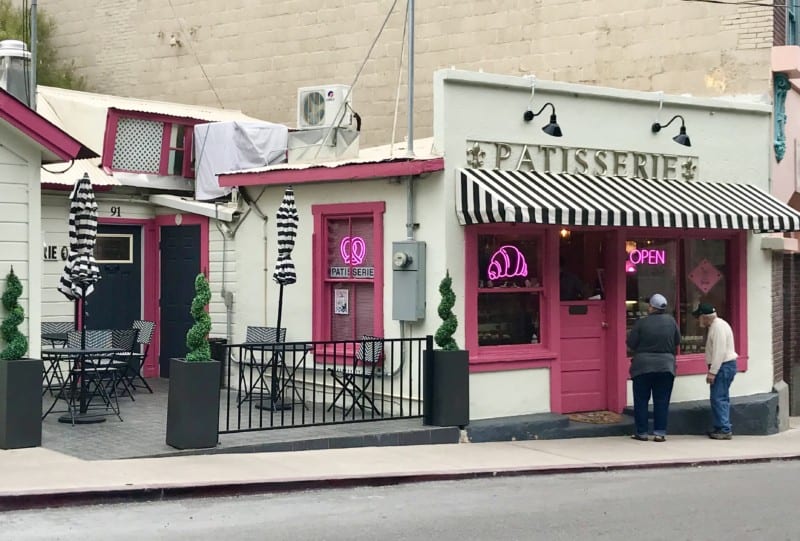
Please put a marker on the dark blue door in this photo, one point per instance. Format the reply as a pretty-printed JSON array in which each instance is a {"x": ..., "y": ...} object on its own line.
[
  {"x": 180, "y": 264},
  {"x": 117, "y": 298}
]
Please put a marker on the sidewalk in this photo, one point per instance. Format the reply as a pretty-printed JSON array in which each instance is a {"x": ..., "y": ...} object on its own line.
[{"x": 39, "y": 477}]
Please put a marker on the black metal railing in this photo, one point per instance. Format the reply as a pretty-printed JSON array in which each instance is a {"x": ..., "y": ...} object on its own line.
[{"x": 291, "y": 384}]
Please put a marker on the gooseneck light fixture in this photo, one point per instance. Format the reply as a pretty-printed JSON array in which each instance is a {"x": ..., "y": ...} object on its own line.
[
  {"x": 681, "y": 138},
  {"x": 552, "y": 127}
]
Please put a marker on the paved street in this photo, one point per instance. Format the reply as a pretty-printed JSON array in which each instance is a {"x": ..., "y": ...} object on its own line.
[{"x": 739, "y": 502}]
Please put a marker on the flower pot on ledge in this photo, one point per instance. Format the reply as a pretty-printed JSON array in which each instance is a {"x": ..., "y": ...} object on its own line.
[
  {"x": 21, "y": 403},
  {"x": 193, "y": 404}
]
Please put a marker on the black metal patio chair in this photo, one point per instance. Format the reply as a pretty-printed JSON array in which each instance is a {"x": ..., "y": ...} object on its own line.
[
  {"x": 132, "y": 373},
  {"x": 101, "y": 375},
  {"x": 256, "y": 363},
  {"x": 125, "y": 340},
  {"x": 54, "y": 334},
  {"x": 356, "y": 380}
]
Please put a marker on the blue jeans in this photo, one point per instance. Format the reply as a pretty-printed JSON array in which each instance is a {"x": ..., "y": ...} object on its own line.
[
  {"x": 659, "y": 384},
  {"x": 720, "y": 397}
]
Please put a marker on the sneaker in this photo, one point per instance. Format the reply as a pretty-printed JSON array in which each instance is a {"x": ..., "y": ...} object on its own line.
[
  {"x": 639, "y": 437},
  {"x": 660, "y": 439},
  {"x": 716, "y": 435}
]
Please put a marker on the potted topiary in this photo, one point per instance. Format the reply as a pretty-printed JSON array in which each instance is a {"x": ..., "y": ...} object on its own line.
[
  {"x": 447, "y": 374},
  {"x": 20, "y": 378},
  {"x": 193, "y": 402}
]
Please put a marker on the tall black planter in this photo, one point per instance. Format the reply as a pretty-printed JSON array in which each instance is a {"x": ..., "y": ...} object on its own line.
[
  {"x": 446, "y": 398},
  {"x": 21, "y": 403},
  {"x": 193, "y": 404}
]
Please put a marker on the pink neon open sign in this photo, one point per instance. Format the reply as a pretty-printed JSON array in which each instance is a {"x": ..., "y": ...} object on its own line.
[
  {"x": 507, "y": 262},
  {"x": 353, "y": 250},
  {"x": 648, "y": 257}
]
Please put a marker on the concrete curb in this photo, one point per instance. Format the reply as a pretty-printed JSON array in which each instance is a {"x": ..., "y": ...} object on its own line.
[{"x": 166, "y": 491}]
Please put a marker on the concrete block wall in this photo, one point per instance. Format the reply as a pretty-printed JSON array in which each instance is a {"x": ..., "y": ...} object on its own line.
[{"x": 254, "y": 55}]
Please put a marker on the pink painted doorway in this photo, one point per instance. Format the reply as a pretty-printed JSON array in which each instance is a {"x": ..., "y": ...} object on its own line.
[
  {"x": 587, "y": 292},
  {"x": 584, "y": 372}
]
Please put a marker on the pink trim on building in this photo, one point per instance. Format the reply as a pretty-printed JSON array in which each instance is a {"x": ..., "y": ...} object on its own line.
[
  {"x": 321, "y": 314},
  {"x": 169, "y": 220},
  {"x": 547, "y": 353},
  {"x": 42, "y": 131},
  {"x": 109, "y": 138},
  {"x": 149, "y": 282},
  {"x": 340, "y": 173}
]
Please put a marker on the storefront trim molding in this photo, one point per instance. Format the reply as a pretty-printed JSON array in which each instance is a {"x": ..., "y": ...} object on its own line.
[
  {"x": 523, "y": 85},
  {"x": 781, "y": 85},
  {"x": 780, "y": 244},
  {"x": 495, "y": 362},
  {"x": 333, "y": 173}
]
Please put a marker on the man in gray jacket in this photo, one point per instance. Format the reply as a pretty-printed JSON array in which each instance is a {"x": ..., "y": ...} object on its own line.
[{"x": 654, "y": 340}]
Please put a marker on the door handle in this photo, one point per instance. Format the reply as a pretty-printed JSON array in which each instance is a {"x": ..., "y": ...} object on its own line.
[{"x": 604, "y": 325}]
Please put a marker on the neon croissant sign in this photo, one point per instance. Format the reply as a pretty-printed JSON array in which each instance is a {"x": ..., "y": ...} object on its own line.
[{"x": 507, "y": 262}]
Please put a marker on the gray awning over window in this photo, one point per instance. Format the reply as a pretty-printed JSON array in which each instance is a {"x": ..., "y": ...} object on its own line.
[{"x": 494, "y": 196}]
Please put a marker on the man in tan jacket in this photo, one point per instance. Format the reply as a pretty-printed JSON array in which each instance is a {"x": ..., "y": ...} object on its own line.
[{"x": 721, "y": 360}]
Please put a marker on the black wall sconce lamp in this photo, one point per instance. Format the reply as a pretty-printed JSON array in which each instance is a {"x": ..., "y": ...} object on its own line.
[
  {"x": 681, "y": 138},
  {"x": 552, "y": 127}
]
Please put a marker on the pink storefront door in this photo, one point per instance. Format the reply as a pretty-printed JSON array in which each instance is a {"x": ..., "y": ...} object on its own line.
[{"x": 583, "y": 356}]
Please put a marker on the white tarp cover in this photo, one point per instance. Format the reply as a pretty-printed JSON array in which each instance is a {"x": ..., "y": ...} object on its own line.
[{"x": 231, "y": 146}]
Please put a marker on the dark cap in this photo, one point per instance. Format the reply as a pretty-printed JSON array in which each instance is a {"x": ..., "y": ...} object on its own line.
[{"x": 704, "y": 309}]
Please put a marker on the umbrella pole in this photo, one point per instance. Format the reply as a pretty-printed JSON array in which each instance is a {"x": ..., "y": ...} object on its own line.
[
  {"x": 83, "y": 405},
  {"x": 76, "y": 315},
  {"x": 277, "y": 357}
]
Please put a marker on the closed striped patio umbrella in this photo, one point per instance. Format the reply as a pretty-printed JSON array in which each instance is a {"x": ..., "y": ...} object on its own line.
[
  {"x": 284, "y": 275},
  {"x": 81, "y": 271},
  {"x": 287, "y": 221}
]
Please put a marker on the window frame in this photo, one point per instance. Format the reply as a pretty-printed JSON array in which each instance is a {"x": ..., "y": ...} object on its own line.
[
  {"x": 167, "y": 121},
  {"x": 516, "y": 356},
  {"x": 321, "y": 316},
  {"x": 736, "y": 293}
]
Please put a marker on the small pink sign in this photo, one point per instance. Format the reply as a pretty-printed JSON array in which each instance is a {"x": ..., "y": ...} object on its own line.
[
  {"x": 705, "y": 276},
  {"x": 353, "y": 250}
]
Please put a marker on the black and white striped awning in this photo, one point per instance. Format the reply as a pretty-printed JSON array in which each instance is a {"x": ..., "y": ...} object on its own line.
[{"x": 489, "y": 196}]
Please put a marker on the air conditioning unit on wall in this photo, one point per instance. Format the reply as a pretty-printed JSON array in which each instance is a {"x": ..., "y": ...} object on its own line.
[{"x": 324, "y": 106}]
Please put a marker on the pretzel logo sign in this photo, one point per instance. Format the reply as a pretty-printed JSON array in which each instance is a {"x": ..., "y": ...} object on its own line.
[{"x": 353, "y": 250}]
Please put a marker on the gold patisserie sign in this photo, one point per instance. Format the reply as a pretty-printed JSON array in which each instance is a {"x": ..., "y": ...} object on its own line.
[{"x": 592, "y": 161}]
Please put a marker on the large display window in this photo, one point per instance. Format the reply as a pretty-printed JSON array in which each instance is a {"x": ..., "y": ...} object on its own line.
[
  {"x": 687, "y": 272},
  {"x": 509, "y": 289}
]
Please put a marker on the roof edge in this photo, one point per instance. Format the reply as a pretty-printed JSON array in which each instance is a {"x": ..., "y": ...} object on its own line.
[
  {"x": 42, "y": 131},
  {"x": 351, "y": 171}
]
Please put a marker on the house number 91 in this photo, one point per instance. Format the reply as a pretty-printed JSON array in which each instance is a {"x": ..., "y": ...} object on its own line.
[{"x": 115, "y": 211}]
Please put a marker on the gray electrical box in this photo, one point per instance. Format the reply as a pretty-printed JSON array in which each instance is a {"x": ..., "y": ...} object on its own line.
[{"x": 408, "y": 280}]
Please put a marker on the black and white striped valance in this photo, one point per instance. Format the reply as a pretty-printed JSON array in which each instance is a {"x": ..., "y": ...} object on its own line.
[{"x": 489, "y": 196}]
